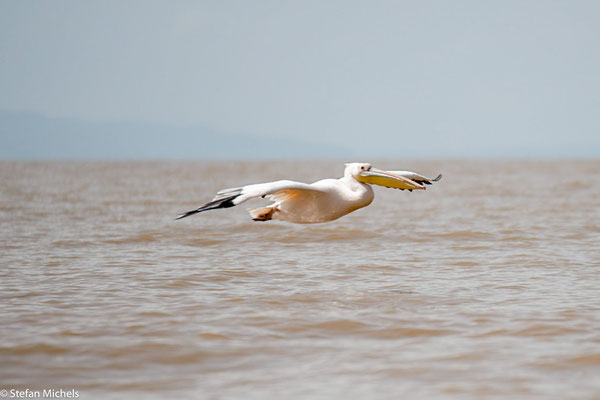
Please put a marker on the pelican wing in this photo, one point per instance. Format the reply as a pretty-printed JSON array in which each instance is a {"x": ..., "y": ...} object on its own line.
[
  {"x": 277, "y": 191},
  {"x": 413, "y": 176},
  {"x": 397, "y": 179}
]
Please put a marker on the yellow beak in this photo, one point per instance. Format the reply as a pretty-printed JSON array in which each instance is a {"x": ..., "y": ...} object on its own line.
[{"x": 387, "y": 179}]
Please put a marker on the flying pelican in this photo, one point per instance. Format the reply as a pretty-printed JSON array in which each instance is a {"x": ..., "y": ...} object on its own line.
[{"x": 323, "y": 201}]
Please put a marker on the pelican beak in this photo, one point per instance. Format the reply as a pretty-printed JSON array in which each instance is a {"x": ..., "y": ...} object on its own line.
[{"x": 383, "y": 178}]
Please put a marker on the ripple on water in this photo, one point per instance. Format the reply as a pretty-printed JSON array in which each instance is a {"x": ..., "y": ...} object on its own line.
[{"x": 40, "y": 348}]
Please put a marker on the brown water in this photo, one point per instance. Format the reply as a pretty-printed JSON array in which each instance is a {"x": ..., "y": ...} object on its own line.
[{"x": 486, "y": 286}]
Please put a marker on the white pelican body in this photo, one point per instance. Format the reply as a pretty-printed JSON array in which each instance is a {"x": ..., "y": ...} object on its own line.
[{"x": 321, "y": 201}]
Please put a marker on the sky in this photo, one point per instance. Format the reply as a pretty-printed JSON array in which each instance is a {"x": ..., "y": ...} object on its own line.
[{"x": 381, "y": 78}]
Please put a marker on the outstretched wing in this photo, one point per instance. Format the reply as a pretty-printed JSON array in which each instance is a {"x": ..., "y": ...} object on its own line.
[
  {"x": 413, "y": 176},
  {"x": 278, "y": 191},
  {"x": 396, "y": 179}
]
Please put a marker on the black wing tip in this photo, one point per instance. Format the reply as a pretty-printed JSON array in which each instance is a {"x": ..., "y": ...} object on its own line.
[
  {"x": 428, "y": 182},
  {"x": 186, "y": 214},
  {"x": 213, "y": 205}
]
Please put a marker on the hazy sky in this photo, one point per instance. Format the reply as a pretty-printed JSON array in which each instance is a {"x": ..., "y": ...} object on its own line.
[{"x": 390, "y": 78}]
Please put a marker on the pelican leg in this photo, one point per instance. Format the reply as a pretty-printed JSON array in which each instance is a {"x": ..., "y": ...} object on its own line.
[{"x": 263, "y": 214}]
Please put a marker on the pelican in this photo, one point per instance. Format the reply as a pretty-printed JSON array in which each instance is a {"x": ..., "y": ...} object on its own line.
[{"x": 322, "y": 201}]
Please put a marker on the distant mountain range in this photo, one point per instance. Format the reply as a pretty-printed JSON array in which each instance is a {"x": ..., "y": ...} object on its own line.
[{"x": 32, "y": 136}]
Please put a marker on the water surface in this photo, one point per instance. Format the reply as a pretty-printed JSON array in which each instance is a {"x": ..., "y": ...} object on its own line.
[{"x": 485, "y": 286}]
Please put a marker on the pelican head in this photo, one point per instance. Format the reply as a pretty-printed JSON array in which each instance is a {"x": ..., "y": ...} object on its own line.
[{"x": 354, "y": 170}]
